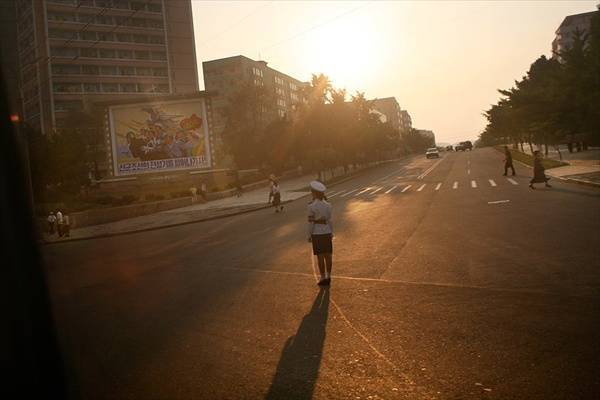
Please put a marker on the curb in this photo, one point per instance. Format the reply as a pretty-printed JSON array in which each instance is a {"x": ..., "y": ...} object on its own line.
[
  {"x": 566, "y": 180},
  {"x": 154, "y": 228}
]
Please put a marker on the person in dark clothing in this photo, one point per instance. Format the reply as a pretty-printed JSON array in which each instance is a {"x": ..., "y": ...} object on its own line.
[
  {"x": 538, "y": 171},
  {"x": 508, "y": 161}
]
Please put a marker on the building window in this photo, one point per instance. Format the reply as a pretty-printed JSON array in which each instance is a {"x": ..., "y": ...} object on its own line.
[
  {"x": 128, "y": 87},
  {"x": 127, "y": 54},
  {"x": 126, "y": 71},
  {"x": 281, "y": 102},
  {"x": 110, "y": 87},
  {"x": 62, "y": 17},
  {"x": 64, "y": 52},
  {"x": 279, "y": 91},
  {"x": 108, "y": 70},
  {"x": 91, "y": 87},
  {"x": 257, "y": 72},
  {"x": 140, "y": 38},
  {"x": 86, "y": 35},
  {"x": 159, "y": 55},
  {"x": 121, "y": 4},
  {"x": 106, "y": 36},
  {"x": 91, "y": 53},
  {"x": 153, "y": 23},
  {"x": 68, "y": 69},
  {"x": 104, "y": 20},
  {"x": 156, "y": 39},
  {"x": 278, "y": 80},
  {"x": 90, "y": 69},
  {"x": 159, "y": 71},
  {"x": 106, "y": 53},
  {"x": 281, "y": 113},
  {"x": 153, "y": 7},
  {"x": 62, "y": 34},
  {"x": 67, "y": 87},
  {"x": 144, "y": 71},
  {"x": 123, "y": 37},
  {"x": 142, "y": 55},
  {"x": 293, "y": 86}
]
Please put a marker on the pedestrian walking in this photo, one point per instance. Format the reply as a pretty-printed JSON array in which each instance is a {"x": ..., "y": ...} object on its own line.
[
  {"x": 203, "y": 191},
  {"x": 320, "y": 231},
  {"x": 539, "y": 175},
  {"x": 51, "y": 223},
  {"x": 508, "y": 161},
  {"x": 194, "y": 193},
  {"x": 275, "y": 194},
  {"x": 59, "y": 223},
  {"x": 238, "y": 184}
]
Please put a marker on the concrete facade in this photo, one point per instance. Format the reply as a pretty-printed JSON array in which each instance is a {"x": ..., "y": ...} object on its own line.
[
  {"x": 77, "y": 52},
  {"x": 227, "y": 75},
  {"x": 389, "y": 107},
  {"x": 566, "y": 30}
]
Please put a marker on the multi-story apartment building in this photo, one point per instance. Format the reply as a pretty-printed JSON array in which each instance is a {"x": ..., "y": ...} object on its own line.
[
  {"x": 77, "y": 52},
  {"x": 389, "y": 107},
  {"x": 9, "y": 61},
  {"x": 405, "y": 121},
  {"x": 565, "y": 33},
  {"x": 225, "y": 76}
]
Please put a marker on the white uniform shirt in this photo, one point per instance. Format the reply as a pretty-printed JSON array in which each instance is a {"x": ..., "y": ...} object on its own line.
[
  {"x": 59, "y": 217},
  {"x": 274, "y": 188},
  {"x": 319, "y": 210}
]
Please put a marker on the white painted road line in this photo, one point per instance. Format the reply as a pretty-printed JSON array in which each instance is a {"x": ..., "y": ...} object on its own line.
[
  {"x": 512, "y": 181},
  {"x": 474, "y": 184},
  {"x": 335, "y": 194},
  {"x": 424, "y": 174},
  {"x": 406, "y": 188},
  {"x": 498, "y": 201},
  {"x": 439, "y": 185},
  {"x": 391, "y": 190},
  {"x": 455, "y": 185},
  {"x": 376, "y": 190},
  {"x": 492, "y": 182},
  {"x": 421, "y": 188},
  {"x": 350, "y": 192},
  {"x": 468, "y": 172},
  {"x": 362, "y": 191}
]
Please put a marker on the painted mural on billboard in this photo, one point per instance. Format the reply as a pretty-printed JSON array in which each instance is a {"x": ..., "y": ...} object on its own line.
[{"x": 159, "y": 136}]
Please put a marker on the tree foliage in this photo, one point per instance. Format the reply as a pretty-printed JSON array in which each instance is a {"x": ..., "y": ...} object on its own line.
[
  {"x": 558, "y": 100},
  {"x": 326, "y": 130}
]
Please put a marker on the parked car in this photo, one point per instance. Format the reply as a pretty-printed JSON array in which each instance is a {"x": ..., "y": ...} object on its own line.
[
  {"x": 459, "y": 147},
  {"x": 432, "y": 153}
]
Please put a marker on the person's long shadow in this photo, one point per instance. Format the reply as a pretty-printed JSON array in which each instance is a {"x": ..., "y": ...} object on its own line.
[{"x": 300, "y": 360}]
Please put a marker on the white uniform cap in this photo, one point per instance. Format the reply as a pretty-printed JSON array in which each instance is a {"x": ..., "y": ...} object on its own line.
[{"x": 317, "y": 186}]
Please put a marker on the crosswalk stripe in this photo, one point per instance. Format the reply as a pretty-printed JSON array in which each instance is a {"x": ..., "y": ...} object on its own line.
[
  {"x": 439, "y": 185},
  {"x": 492, "y": 182},
  {"x": 362, "y": 191},
  {"x": 455, "y": 185},
  {"x": 350, "y": 192},
  {"x": 376, "y": 190},
  {"x": 391, "y": 190},
  {"x": 474, "y": 184},
  {"x": 406, "y": 188},
  {"x": 421, "y": 188},
  {"x": 512, "y": 181}
]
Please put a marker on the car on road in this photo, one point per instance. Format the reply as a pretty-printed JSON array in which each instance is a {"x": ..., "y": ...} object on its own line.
[
  {"x": 449, "y": 148},
  {"x": 459, "y": 147},
  {"x": 467, "y": 145},
  {"x": 432, "y": 153}
]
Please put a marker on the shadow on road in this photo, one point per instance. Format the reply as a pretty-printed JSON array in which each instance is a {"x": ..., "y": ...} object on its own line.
[{"x": 300, "y": 360}]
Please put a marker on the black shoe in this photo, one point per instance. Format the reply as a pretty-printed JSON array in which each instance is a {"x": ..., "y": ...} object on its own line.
[
  {"x": 531, "y": 186},
  {"x": 328, "y": 281},
  {"x": 323, "y": 282}
]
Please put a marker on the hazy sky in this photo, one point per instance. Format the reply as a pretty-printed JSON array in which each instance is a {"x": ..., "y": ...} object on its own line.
[{"x": 443, "y": 60}]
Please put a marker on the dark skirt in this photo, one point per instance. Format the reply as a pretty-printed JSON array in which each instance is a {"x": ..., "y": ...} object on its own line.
[
  {"x": 322, "y": 244},
  {"x": 539, "y": 176},
  {"x": 276, "y": 199}
]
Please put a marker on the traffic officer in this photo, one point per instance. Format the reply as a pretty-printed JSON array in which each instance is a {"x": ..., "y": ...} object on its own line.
[{"x": 320, "y": 231}]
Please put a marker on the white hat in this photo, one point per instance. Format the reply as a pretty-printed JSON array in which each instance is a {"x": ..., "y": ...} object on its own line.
[{"x": 317, "y": 186}]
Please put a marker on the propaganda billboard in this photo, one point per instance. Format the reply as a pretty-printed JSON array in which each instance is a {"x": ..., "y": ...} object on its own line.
[{"x": 159, "y": 136}]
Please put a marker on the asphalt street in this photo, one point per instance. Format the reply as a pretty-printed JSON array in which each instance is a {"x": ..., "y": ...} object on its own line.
[{"x": 450, "y": 281}]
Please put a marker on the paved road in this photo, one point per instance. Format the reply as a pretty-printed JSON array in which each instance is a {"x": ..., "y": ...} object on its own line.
[{"x": 450, "y": 282}]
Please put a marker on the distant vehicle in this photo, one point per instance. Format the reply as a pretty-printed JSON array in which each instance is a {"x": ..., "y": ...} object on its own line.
[
  {"x": 449, "y": 148},
  {"x": 432, "y": 153},
  {"x": 467, "y": 145},
  {"x": 459, "y": 147}
]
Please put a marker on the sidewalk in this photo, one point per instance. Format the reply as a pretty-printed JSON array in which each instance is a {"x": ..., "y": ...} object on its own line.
[
  {"x": 584, "y": 166},
  {"x": 292, "y": 189}
]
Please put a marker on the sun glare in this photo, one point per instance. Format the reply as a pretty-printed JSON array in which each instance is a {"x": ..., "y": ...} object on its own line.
[{"x": 345, "y": 51}]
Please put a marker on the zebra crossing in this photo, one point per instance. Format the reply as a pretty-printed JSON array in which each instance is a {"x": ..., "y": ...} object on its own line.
[{"x": 377, "y": 190}]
